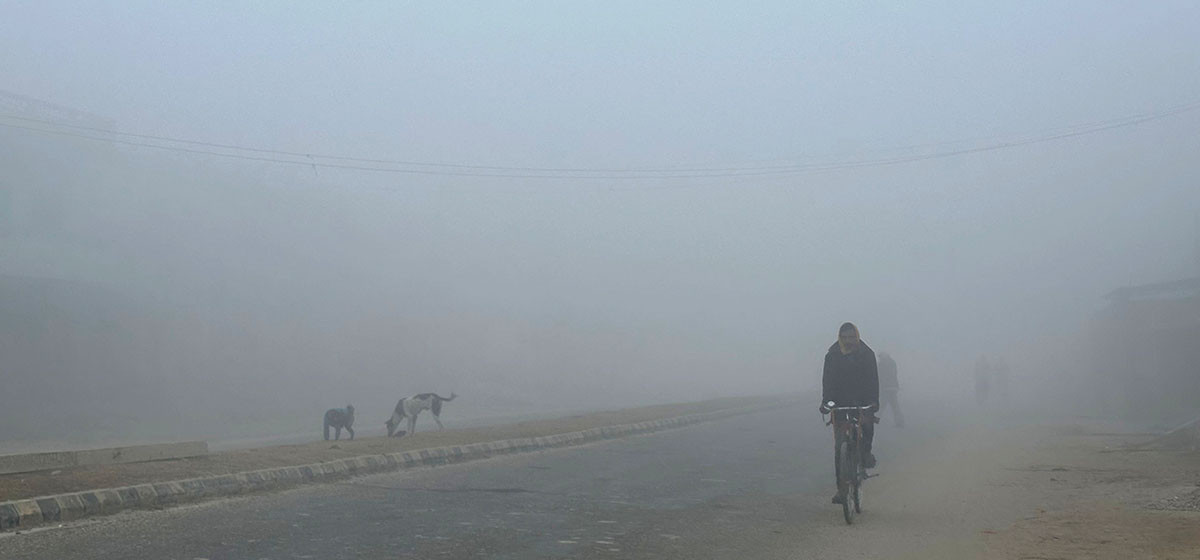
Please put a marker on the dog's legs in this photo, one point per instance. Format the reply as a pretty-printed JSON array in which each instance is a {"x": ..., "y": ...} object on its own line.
[
  {"x": 351, "y": 430},
  {"x": 439, "y": 422},
  {"x": 337, "y": 433},
  {"x": 327, "y": 431},
  {"x": 412, "y": 425}
]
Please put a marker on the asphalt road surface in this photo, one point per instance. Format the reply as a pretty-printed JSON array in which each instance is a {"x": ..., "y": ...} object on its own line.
[{"x": 748, "y": 486}]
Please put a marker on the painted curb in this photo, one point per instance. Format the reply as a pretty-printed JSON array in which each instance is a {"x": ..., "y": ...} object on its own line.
[{"x": 23, "y": 514}]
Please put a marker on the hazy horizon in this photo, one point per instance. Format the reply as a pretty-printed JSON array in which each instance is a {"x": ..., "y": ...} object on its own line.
[{"x": 219, "y": 293}]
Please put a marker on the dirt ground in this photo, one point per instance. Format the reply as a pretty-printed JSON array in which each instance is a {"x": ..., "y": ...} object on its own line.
[
  {"x": 1030, "y": 493},
  {"x": 26, "y": 485},
  {"x": 1104, "y": 499}
]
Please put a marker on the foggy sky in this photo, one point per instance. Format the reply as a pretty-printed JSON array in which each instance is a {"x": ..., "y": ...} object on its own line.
[{"x": 648, "y": 290}]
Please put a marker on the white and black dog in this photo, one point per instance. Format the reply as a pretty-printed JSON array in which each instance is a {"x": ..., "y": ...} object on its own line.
[{"x": 410, "y": 407}]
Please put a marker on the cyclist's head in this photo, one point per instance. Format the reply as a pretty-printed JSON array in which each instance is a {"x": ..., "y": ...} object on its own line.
[{"x": 848, "y": 339}]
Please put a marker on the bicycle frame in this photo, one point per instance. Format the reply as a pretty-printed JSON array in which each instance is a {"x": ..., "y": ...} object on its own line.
[{"x": 852, "y": 425}]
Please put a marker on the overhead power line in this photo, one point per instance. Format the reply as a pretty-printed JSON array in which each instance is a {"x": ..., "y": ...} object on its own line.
[{"x": 516, "y": 172}]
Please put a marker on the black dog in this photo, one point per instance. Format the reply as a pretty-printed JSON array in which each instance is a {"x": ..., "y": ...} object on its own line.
[{"x": 339, "y": 418}]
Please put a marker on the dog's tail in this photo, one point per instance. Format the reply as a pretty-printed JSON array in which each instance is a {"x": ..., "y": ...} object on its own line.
[{"x": 441, "y": 398}]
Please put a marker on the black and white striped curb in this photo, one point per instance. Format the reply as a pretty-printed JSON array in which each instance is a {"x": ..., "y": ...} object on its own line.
[{"x": 32, "y": 512}]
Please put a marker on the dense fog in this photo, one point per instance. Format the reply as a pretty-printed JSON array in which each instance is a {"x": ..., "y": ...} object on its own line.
[{"x": 565, "y": 207}]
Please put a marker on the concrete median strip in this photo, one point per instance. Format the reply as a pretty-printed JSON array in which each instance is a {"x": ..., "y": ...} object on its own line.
[{"x": 28, "y": 513}]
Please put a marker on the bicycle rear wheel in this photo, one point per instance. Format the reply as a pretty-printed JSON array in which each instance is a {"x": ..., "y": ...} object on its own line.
[
  {"x": 858, "y": 494},
  {"x": 848, "y": 473}
]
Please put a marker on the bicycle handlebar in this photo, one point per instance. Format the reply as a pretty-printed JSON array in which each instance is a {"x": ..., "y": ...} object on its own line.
[{"x": 833, "y": 409}]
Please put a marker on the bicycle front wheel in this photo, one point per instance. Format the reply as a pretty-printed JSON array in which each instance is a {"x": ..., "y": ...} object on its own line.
[{"x": 848, "y": 485}]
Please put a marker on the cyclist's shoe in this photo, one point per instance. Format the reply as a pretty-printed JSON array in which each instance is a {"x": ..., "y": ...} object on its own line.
[
  {"x": 839, "y": 498},
  {"x": 869, "y": 461}
]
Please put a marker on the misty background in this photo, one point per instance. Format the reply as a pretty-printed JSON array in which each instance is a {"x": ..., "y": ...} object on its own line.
[{"x": 150, "y": 291}]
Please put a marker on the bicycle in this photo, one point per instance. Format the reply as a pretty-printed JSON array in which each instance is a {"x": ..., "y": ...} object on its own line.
[{"x": 847, "y": 422}]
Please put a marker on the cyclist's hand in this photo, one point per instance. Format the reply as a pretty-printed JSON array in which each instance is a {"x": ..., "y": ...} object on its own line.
[{"x": 824, "y": 409}]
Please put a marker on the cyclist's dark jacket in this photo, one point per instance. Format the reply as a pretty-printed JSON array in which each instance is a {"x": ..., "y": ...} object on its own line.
[
  {"x": 850, "y": 379},
  {"x": 887, "y": 373}
]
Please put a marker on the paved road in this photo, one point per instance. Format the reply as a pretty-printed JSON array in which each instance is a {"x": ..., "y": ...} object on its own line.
[{"x": 745, "y": 486}]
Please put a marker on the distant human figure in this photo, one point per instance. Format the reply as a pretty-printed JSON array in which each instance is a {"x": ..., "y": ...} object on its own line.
[
  {"x": 1000, "y": 373},
  {"x": 983, "y": 374},
  {"x": 338, "y": 418},
  {"x": 889, "y": 388}
]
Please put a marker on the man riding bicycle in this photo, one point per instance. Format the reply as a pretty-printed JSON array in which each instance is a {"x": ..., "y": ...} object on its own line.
[{"x": 851, "y": 378}]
